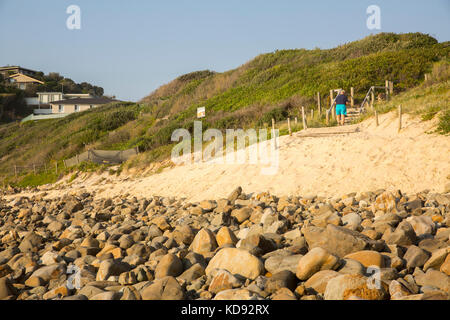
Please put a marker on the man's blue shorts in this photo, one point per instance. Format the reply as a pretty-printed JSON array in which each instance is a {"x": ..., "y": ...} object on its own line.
[{"x": 341, "y": 109}]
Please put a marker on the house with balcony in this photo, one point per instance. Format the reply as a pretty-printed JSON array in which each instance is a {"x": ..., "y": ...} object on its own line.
[
  {"x": 69, "y": 106},
  {"x": 44, "y": 99}
]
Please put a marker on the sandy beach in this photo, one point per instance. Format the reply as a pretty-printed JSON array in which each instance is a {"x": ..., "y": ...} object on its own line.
[{"x": 327, "y": 162}]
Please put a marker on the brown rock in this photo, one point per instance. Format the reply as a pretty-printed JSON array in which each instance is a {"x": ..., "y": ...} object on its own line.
[
  {"x": 314, "y": 261},
  {"x": 225, "y": 236},
  {"x": 350, "y": 286},
  {"x": 204, "y": 242},
  {"x": 242, "y": 214},
  {"x": 367, "y": 258},
  {"x": 445, "y": 267},
  {"x": 163, "y": 289},
  {"x": 169, "y": 265},
  {"x": 223, "y": 280},
  {"x": 318, "y": 282},
  {"x": 238, "y": 262}
]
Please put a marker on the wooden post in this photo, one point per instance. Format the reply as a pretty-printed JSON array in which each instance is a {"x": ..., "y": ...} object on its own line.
[
  {"x": 328, "y": 117},
  {"x": 296, "y": 121},
  {"x": 34, "y": 168},
  {"x": 312, "y": 114},
  {"x": 289, "y": 126},
  {"x": 331, "y": 98},
  {"x": 15, "y": 170},
  {"x": 273, "y": 133},
  {"x": 391, "y": 88},
  {"x": 426, "y": 76},
  {"x": 304, "y": 119},
  {"x": 319, "y": 106},
  {"x": 352, "y": 97},
  {"x": 376, "y": 118},
  {"x": 387, "y": 90},
  {"x": 372, "y": 99},
  {"x": 399, "y": 118},
  {"x": 56, "y": 167}
]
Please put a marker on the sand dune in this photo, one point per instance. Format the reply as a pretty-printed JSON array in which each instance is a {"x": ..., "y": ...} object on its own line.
[{"x": 328, "y": 162}]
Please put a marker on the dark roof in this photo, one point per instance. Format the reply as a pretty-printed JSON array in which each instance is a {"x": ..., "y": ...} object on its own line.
[
  {"x": 101, "y": 100},
  {"x": 16, "y": 67}
]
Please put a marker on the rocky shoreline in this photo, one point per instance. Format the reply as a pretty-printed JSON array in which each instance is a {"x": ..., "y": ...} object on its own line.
[{"x": 371, "y": 246}]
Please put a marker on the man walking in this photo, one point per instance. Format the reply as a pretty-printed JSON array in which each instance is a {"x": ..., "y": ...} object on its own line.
[{"x": 341, "y": 107}]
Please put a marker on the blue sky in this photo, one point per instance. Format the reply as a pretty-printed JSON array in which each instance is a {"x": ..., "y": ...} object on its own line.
[{"x": 132, "y": 47}]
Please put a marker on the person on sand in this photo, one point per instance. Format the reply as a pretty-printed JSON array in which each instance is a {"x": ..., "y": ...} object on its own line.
[{"x": 341, "y": 107}]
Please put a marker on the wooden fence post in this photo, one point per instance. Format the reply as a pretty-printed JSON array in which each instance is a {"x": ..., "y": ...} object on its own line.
[
  {"x": 273, "y": 133},
  {"x": 399, "y": 118},
  {"x": 15, "y": 170},
  {"x": 296, "y": 121},
  {"x": 289, "y": 126},
  {"x": 391, "y": 88},
  {"x": 328, "y": 117},
  {"x": 56, "y": 167},
  {"x": 304, "y": 119},
  {"x": 387, "y": 90},
  {"x": 34, "y": 168},
  {"x": 352, "y": 97},
  {"x": 331, "y": 98},
  {"x": 372, "y": 99},
  {"x": 376, "y": 118},
  {"x": 319, "y": 106}
]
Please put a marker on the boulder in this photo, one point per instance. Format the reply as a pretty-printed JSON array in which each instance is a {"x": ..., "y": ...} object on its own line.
[
  {"x": 163, "y": 289},
  {"x": 367, "y": 258},
  {"x": 318, "y": 282},
  {"x": 314, "y": 261},
  {"x": 416, "y": 257},
  {"x": 351, "y": 286},
  {"x": 236, "y": 294},
  {"x": 169, "y": 265},
  {"x": 238, "y": 262},
  {"x": 204, "y": 242},
  {"x": 283, "y": 279},
  {"x": 223, "y": 280},
  {"x": 226, "y": 237},
  {"x": 338, "y": 240}
]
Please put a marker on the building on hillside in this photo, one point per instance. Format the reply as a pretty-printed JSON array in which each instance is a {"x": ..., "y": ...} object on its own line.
[
  {"x": 10, "y": 70},
  {"x": 69, "y": 106},
  {"x": 43, "y": 100},
  {"x": 22, "y": 81}
]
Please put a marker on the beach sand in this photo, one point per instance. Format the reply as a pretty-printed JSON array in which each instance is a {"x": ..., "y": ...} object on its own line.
[{"x": 326, "y": 162}]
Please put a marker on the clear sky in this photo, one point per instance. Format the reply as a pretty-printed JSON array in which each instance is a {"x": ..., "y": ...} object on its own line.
[{"x": 131, "y": 47}]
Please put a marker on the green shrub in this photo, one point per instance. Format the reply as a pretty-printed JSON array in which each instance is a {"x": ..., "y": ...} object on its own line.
[{"x": 444, "y": 123}]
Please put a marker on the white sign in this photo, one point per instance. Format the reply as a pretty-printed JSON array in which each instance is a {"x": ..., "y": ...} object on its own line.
[{"x": 201, "y": 112}]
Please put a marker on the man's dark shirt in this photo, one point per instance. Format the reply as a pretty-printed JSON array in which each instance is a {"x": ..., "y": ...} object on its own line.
[{"x": 341, "y": 99}]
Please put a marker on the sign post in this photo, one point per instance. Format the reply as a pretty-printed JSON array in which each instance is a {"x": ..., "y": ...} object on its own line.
[{"x": 201, "y": 112}]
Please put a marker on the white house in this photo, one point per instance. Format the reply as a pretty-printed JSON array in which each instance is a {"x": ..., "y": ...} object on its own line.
[
  {"x": 68, "y": 106},
  {"x": 44, "y": 99}
]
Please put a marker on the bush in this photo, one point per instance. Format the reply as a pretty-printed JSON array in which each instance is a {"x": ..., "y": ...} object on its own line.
[{"x": 444, "y": 123}]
